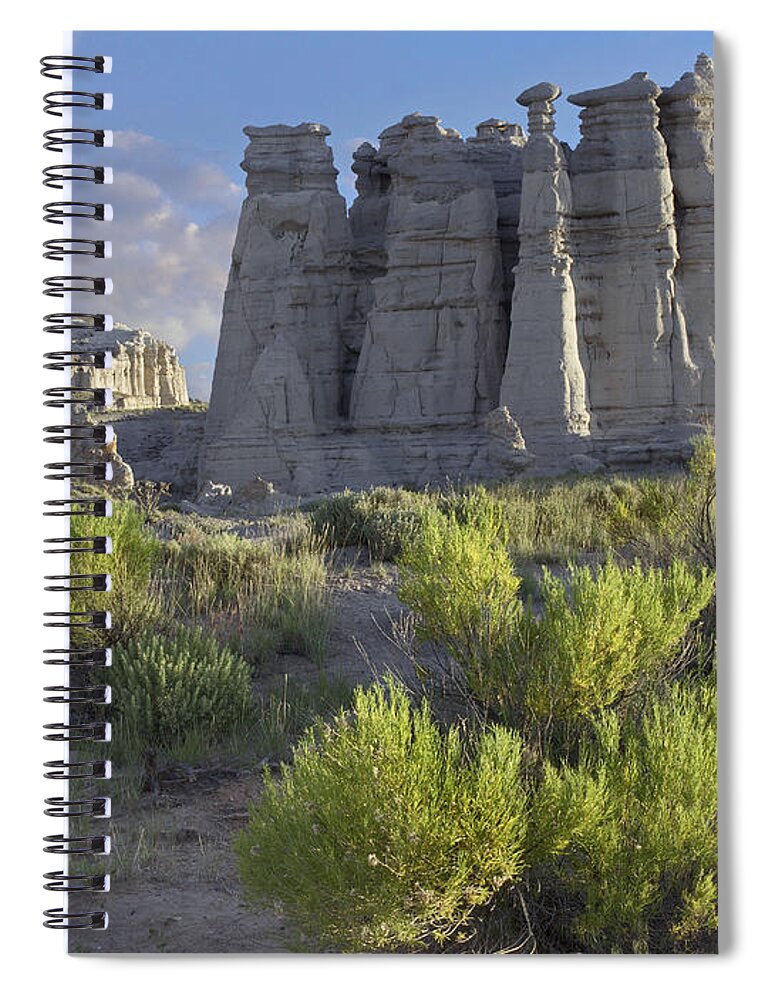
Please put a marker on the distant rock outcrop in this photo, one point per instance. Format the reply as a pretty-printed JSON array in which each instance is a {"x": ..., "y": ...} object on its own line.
[
  {"x": 487, "y": 306},
  {"x": 145, "y": 370},
  {"x": 159, "y": 432}
]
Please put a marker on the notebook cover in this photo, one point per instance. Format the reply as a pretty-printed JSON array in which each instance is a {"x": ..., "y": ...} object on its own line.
[{"x": 412, "y": 483}]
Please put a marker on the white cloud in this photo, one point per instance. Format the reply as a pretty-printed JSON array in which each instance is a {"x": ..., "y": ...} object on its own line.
[
  {"x": 172, "y": 235},
  {"x": 175, "y": 216}
]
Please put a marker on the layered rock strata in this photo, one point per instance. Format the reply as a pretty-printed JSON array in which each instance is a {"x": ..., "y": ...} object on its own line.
[
  {"x": 434, "y": 340},
  {"x": 278, "y": 383},
  {"x": 543, "y": 386},
  {"x": 145, "y": 370},
  {"x": 487, "y": 306},
  {"x": 687, "y": 125},
  {"x": 642, "y": 382}
]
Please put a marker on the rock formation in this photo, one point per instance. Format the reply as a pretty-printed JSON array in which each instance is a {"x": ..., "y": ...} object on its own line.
[
  {"x": 487, "y": 306},
  {"x": 687, "y": 125},
  {"x": 641, "y": 380},
  {"x": 434, "y": 340},
  {"x": 498, "y": 149},
  {"x": 278, "y": 379},
  {"x": 145, "y": 371},
  {"x": 162, "y": 445},
  {"x": 544, "y": 384},
  {"x": 96, "y": 442}
]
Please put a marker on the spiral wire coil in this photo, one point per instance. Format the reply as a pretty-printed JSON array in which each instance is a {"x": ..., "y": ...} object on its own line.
[{"x": 80, "y": 659}]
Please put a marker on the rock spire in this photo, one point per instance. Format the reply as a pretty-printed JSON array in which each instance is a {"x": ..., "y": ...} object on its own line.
[{"x": 487, "y": 306}]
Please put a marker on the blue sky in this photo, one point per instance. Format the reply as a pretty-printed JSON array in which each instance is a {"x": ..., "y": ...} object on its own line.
[{"x": 181, "y": 100}]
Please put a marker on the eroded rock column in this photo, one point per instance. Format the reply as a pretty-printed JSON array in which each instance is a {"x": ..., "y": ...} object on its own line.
[
  {"x": 432, "y": 355},
  {"x": 687, "y": 125},
  {"x": 498, "y": 148},
  {"x": 277, "y": 382},
  {"x": 642, "y": 382},
  {"x": 368, "y": 219},
  {"x": 543, "y": 386}
]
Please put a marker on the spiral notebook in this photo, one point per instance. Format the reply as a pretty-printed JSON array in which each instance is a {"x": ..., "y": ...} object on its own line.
[{"x": 385, "y": 481}]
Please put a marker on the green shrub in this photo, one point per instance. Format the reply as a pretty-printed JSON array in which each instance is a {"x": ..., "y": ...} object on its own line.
[
  {"x": 601, "y": 633},
  {"x": 176, "y": 694},
  {"x": 644, "y": 511},
  {"x": 381, "y": 520},
  {"x": 630, "y": 831},
  {"x": 135, "y": 600},
  {"x": 382, "y": 834},
  {"x": 459, "y": 580},
  {"x": 598, "y": 636}
]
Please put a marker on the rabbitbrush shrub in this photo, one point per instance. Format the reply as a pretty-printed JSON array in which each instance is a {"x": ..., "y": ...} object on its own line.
[
  {"x": 630, "y": 831},
  {"x": 459, "y": 579},
  {"x": 601, "y": 633},
  {"x": 387, "y": 834},
  {"x": 383, "y": 833},
  {"x": 176, "y": 694}
]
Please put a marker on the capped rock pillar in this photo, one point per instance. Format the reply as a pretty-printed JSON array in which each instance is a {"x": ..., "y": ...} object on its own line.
[
  {"x": 642, "y": 382},
  {"x": 277, "y": 382},
  {"x": 543, "y": 386},
  {"x": 687, "y": 125}
]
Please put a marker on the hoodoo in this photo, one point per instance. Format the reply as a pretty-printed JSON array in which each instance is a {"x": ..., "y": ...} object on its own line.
[{"x": 487, "y": 306}]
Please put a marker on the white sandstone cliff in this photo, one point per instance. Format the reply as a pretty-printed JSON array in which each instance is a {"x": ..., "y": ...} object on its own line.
[{"x": 145, "y": 371}]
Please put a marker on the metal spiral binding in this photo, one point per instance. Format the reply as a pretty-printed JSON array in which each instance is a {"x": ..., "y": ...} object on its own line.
[
  {"x": 59, "y": 249},
  {"x": 99, "y": 434},
  {"x": 57, "y": 138},
  {"x": 81, "y": 322},
  {"x": 84, "y": 661},
  {"x": 58, "y": 211},
  {"x": 54, "y": 65},
  {"x": 56, "y": 176}
]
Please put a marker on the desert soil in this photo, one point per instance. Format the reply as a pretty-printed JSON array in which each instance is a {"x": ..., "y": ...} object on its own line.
[{"x": 175, "y": 887}]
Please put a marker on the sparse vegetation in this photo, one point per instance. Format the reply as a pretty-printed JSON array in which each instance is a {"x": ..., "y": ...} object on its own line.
[
  {"x": 260, "y": 596},
  {"x": 383, "y": 833},
  {"x": 545, "y": 776},
  {"x": 177, "y": 694}
]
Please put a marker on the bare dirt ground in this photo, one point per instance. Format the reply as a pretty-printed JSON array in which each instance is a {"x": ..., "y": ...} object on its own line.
[{"x": 175, "y": 886}]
